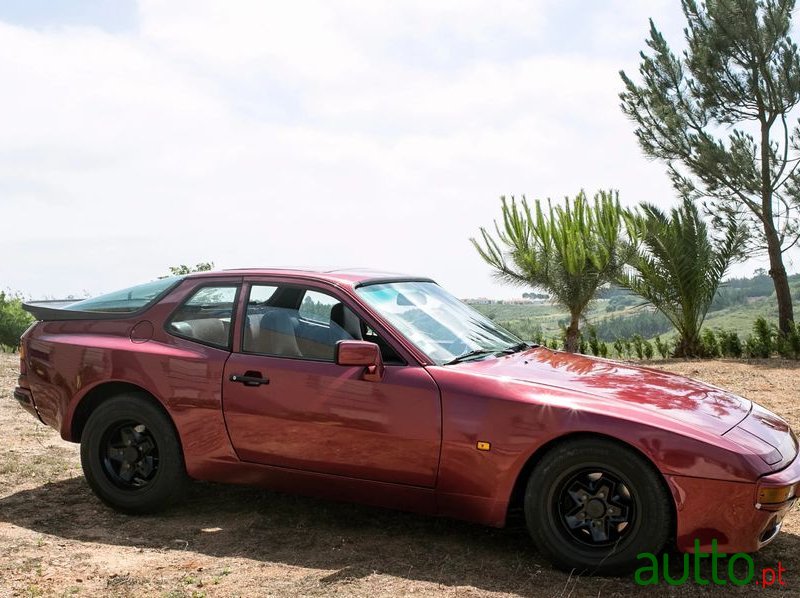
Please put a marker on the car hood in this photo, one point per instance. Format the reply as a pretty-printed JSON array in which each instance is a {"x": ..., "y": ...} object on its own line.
[{"x": 689, "y": 401}]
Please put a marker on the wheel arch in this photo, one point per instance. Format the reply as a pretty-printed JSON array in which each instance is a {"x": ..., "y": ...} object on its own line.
[
  {"x": 101, "y": 393},
  {"x": 516, "y": 499}
]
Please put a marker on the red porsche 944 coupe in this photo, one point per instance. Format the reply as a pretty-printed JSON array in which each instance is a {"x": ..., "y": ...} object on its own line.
[{"x": 387, "y": 390}]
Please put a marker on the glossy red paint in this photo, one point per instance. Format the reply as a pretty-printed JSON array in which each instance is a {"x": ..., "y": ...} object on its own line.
[
  {"x": 407, "y": 438},
  {"x": 723, "y": 510},
  {"x": 361, "y": 353},
  {"x": 325, "y": 418}
]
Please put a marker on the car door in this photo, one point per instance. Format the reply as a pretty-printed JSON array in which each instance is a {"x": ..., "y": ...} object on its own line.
[{"x": 296, "y": 408}]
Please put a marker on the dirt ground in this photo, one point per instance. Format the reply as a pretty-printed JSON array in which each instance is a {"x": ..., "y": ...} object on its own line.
[{"x": 56, "y": 539}]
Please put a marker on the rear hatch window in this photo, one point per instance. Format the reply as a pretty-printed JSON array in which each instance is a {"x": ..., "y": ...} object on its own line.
[{"x": 127, "y": 300}]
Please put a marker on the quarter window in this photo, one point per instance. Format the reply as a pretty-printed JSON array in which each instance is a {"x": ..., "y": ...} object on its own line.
[{"x": 206, "y": 316}]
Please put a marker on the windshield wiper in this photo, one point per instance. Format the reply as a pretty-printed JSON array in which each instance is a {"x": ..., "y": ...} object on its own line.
[
  {"x": 470, "y": 355},
  {"x": 518, "y": 347}
]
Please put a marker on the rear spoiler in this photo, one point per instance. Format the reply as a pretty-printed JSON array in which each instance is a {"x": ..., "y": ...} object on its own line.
[
  {"x": 60, "y": 311},
  {"x": 45, "y": 313}
]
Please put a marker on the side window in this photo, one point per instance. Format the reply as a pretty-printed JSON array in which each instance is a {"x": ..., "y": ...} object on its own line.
[
  {"x": 206, "y": 316},
  {"x": 302, "y": 323},
  {"x": 317, "y": 306},
  {"x": 291, "y": 322},
  {"x": 389, "y": 355},
  {"x": 258, "y": 304},
  {"x": 260, "y": 294}
]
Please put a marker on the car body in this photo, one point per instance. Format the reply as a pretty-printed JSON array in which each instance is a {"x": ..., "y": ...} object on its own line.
[{"x": 399, "y": 425}]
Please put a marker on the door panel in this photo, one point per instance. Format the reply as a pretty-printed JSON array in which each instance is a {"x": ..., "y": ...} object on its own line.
[{"x": 322, "y": 417}]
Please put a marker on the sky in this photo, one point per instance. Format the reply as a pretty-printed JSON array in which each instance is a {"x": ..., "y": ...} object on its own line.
[{"x": 314, "y": 134}]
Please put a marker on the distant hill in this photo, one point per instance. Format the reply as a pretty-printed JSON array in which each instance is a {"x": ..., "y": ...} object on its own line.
[{"x": 620, "y": 314}]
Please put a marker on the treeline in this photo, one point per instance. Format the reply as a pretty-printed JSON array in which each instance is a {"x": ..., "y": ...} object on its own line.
[
  {"x": 732, "y": 292},
  {"x": 764, "y": 341},
  {"x": 646, "y": 324},
  {"x": 739, "y": 291}
]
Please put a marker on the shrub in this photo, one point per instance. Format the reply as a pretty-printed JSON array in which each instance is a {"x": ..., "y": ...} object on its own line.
[
  {"x": 627, "y": 347},
  {"x": 638, "y": 346},
  {"x": 662, "y": 347},
  {"x": 594, "y": 343},
  {"x": 761, "y": 342},
  {"x": 553, "y": 343},
  {"x": 583, "y": 345},
  {"x": 788, "y": 345},
  {"x": 597, "y": 347},
  {"x": 13, "y": 321},
  {"x": 729, "y": 344},
  {"x": 709, "y": 346},
  {"x": 618, "y": 347},
  {"x": 648, "y": 350}
]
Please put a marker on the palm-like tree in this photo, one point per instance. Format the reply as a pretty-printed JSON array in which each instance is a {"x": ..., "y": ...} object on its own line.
[
  {"x": 677, "y": 266},
  {"x": 568, "y": 251}
]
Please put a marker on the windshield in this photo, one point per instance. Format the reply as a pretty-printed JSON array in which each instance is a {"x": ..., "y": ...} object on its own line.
[
  {"x": 437, "y": 323},
  {"x": 127, "y": 300}
]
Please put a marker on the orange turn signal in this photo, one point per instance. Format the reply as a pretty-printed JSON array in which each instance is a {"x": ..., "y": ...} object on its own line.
[
  {"x": 775, "y": 495},
  {"x": 483, "y": 446}
]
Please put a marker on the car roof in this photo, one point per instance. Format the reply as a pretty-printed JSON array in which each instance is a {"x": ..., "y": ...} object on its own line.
[{"x": 353, "y": 277}]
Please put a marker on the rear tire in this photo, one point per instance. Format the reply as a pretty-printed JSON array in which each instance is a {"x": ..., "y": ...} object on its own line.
[
  {"x": 131, "y": 455},
  {"x": 592, "y": 505}
]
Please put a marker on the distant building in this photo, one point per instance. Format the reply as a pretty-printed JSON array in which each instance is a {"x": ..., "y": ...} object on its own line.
[
  {"x": 480, "y": 301},
  {"x": 515, "y": 301}
]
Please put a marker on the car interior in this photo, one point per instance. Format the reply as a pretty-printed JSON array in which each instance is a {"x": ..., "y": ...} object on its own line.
[{"x": 280, "y": 321}]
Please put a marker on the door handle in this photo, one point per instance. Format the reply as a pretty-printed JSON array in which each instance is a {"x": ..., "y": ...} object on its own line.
[{"x": 249, "y": 379}]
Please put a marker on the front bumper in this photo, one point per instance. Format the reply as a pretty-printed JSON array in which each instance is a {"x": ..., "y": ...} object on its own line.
[
  {"x": 25, "y": 399},
  {"x": 728, "y": 512}
]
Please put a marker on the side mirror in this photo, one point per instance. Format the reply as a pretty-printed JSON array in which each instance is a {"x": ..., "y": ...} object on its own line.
[{"x": 364, "y": 353}]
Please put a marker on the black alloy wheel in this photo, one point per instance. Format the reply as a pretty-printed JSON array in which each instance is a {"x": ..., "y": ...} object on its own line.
[
  {"x": 593, "y": 504},
  {"x": 595, "y": 507},
  {"x": 131, "y": 455}
]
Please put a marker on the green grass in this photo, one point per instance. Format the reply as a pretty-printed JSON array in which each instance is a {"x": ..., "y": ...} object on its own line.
[
  {"x": 545, "y": 314},
  {"x": 548, "y": 317}
]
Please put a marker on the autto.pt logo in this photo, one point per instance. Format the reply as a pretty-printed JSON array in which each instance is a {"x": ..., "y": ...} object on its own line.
[{"x": 737, "y": 569}]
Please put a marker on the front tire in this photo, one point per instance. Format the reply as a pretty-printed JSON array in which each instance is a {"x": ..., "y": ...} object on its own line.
[
  {"x": 592, "y": 505},
  {"x": 131, "y": 455}
]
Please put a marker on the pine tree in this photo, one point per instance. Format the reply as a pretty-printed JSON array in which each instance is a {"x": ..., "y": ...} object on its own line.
[{"x": 719, "y": 116}]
